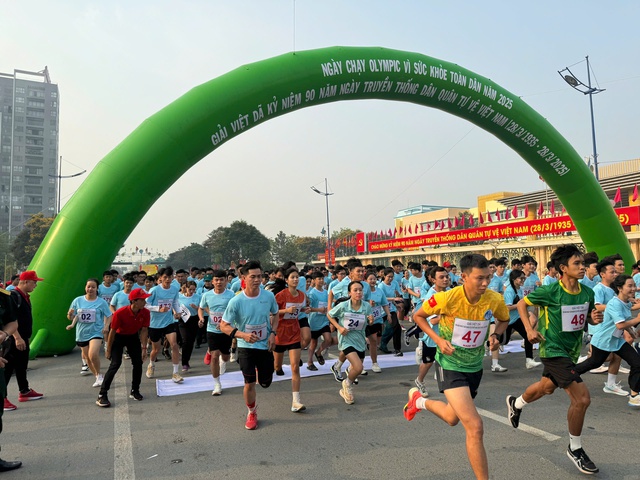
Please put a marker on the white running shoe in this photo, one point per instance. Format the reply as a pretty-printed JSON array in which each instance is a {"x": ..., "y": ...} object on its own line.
[
  {"x": 223, "y": 366},
  {"x": 233, "y": 357},
  {"x": 419, "y": 352},
  {"x": 177, "y": 378},
  {"x": 498, "y": 368},
  {"x": 623, "y": 370},
  {"x": 297, "y": 407},
  {"x": 375, "y": 368},
  {"x": 600, "y": 369},
  {"x": 98, "y": 382},
  {"x": 217, "y": 389},
  {"x": 346, "y": 393},
  {"x": 616, "y": 389},
  {"x": 634, "y": 401},
  {"x": 85, "y": 370},
  {"x": 151, "y": 369},
  {"x": 531, "y": 363},
  {"x": 422, "y": 388}
]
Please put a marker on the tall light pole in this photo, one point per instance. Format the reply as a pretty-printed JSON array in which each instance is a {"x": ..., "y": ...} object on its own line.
[
  {"x": 585, "y": 89},
  {"x": 59, "y": 176},
  {"x": 326, "y": 197}
]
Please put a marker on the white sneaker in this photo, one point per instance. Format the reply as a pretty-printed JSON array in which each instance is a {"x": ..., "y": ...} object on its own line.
[
  {"x": 85, "y": 370},
  {"x": 582, "y": 358},
  {"x": 634, "y": 401},
  {"x": 375, "y": 368},
  {"x": 217, "y": 389},
  {"x": 422, "y": 388},
  {"x": 297, "y": 407},
  {"x": 233, "y": 357},
  {"x": 419, "y": 352},
  {"x": 498, "y": 368},
  {"x": 347, "y": 393},
  {"x": 151, "y": 369},
  {"x": 623, "y": 370},
  {"x": 600, "y": 369},
  {"x": 616, "y": 389},
  {"x": 177, "y": 378},
  {"x": 531, "y": 363},
  {"x": 223, "y": 366},
  {"x": 98, "y": 382}
]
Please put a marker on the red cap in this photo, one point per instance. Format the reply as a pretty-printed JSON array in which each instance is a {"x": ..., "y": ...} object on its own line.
[
  {"x": 138, "y": 293},
  {"x": 30, "y": 275},
  {"x": 446, "y": 264}
]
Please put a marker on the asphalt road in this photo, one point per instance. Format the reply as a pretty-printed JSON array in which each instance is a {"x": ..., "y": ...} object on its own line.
[{"x": 197, "y": 436}]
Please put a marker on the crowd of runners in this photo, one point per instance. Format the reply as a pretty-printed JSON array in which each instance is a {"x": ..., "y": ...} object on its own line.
[{"x": 455, "y": 314}]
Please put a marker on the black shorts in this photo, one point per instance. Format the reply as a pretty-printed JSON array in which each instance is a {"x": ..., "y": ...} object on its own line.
[
  {"x": 428, "y": 354},
  {"x": 448, "y": 379},
  {"x": 303, "y": 322},
  {"x": 348, "y": 350},
  {"x": 375, "y": 329},
  {"x": 407, "y": 305},
  {"x": 290, "y": 346},
  {"x": 155, "y": 334},
  {"x": 252, "y": 361},
  {"x": 219, "y": 341},
  {"x": 316, "y": 334},
  {"x": 561, "y": 371},
  {"x": 87, "y": 342}
]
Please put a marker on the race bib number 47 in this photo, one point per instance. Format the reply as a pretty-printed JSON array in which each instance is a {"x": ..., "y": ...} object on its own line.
[{"x": 469, "y": 333}]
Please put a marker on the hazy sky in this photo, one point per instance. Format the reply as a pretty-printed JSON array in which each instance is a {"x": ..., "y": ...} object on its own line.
[{"x": 117, "y": 63}]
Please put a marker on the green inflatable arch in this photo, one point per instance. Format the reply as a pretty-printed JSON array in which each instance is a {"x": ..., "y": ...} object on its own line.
[{"x": 91, "y": 228}]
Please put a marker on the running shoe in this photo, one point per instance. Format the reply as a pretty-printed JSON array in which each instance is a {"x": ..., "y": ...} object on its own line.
[
  {"x": 252, "y": 420},
  {"x": 320, "y": 358},
  {"x": 135, "y": 394},
  {"x": 8, "y": 406},
  {"x": 346, "y": 393},
  {"x": 177, "y": 378},
  {"x": 531, "y": 363},
  {"x": 217, "y": 389},
  {"x": 30, "y": 395},
  {"x": 375, "y": 368},
  {"x": 498, "y": 368},
  {"x": 633, "y": 401},
  {"x": 337, "y": 374},
  {"x": 85, "y": 370},
  {"x": 364, "y": 373},
  {"x": 422, "y": 388},
  {"x": 600, "y": 369},
  {"x": 419, "y": 353},
  {"x": 151, "y": 370},
  {"x": 300, "y": 363},
  {"x": 410, "y": 408},
  {"x": 582, "y": 461},
  {"x": 103, "y": 401},
  {"x": 513, "y": 413},
  {"x": 233, "y": 357},
  {"x": 279, "y": 372},
  {"x": 615, "y": 389},
  {"x": 398, "y": 353},
  {"x": 297, "y": 407},
  {"x": 223, "y": 366},
  {"x": 207, "y": 358},
  {"x": 98, "y": 381},
  {"x": 312, "y": 367},
  {"x": 166, "y": 353},
  {"x": 355, "y": 381},
  {"x": 185, "y": 369},
  {"x": 623, "y": 370}
]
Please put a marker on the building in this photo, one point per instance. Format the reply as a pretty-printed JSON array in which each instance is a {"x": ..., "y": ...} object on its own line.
[{"x": 29, "y": 182}]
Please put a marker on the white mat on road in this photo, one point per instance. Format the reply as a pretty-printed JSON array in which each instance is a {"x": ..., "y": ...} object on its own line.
[{"x": 203, "y": 383}]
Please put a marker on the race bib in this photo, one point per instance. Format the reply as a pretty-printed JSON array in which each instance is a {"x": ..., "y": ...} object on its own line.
[
  {"x": 323, "y": 304},
  {"x": 107, "y": 298},
  {"x": 617, "y": 333},
  {"x": 377, "y": 312},
  {"x": 165, "y": 305},
  {"x": 294, "y": 315},
  {"x": 185, "y": 314},
  {"x": 574, "y": 317},
  {"x": 215, "y": 318},
  {"x": 469, "y": 333},
  {"x": 527, "y": 290},
  {"x": 354, "y": 321},
  {"x": 418, "y": 291},
  {"x": 87, "y": 315},
  {"x": 259, "y": 329}
]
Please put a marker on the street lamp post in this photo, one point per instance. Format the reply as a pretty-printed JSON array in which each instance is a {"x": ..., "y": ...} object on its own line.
[
  {"x": 585, "y": 89},
  {"x": 59, "y": 178},
  {"x": 326, "y": 197}
]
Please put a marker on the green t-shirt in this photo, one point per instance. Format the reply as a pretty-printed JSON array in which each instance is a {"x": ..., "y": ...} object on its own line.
[{"x": 563, "y": 316}]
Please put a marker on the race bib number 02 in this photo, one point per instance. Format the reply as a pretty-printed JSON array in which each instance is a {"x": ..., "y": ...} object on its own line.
[
  {"x": 469, "y": 333},
  {"x": 215, "y": 318},
  {"x": 574, "y": 317},
  {"x": 87, "y": 315},
  {"x": 354, "y": 321}
]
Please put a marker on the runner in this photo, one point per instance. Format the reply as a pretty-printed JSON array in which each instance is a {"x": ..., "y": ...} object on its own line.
[
  {"x": 350, "y": 319},
  {"x": 94, "y": 317},
  {"x": 165, "y": 310},
  {"x": 381, "y": 314},
  {"x": 251, "y": 318},
  {"x": 609, "y": 337},
  {"x": 188, "y": 328},
  {"x": 568, "y": 305},
  {"x": 128, "y": 330},
  {"x": 291, "y": 302},
  {"x": 107, "y": 289},
  {"x": 318, "y": 321},
  {"x": 121, "y": 298},
  {"x": 212, "y": 306},
  {"x": 465, "y": 313}
]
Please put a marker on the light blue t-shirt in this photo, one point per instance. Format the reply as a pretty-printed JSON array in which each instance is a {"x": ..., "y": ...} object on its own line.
[
  {"x": 166, "y": 298},
  {"x": 252, "y": 314},
  {"x": 547, "y": 280},
  {"x": 426, "y": 339},
  {"x": 454, "y": 278},
  {"x": 405, "y": 283},
  {"x": 136, "y": 286},
  {"x": 302, "y": 286},
  {"x": 417, "y": 284},
  {"x": 589, "y": 283},
  {"x": 217, "y": 304},
  {"x": 107, "y": 293},
  {"x": 341, "y": 290},
  {"x": 636, "y": 279},
  {"x": 11, "y": 287},
  {"x": 355, "y": 321},
  {"x": 380, "y": 300},
  {"x": 510, "y": 299},
  {"x": 318, "y": 299},
  {"x": 236, "y": 285},
  {"x": 91, "y": 317},
  {"x": 602, "y": 295},
  {"x": 497, "y": 283},
  {"x": 120, "y": 299},
  {"x": 390, "y": 291},
  {"x": 187, "y": 301},
  {"x": 608, "y": 337},
  {"x": 529, "y": 284}
]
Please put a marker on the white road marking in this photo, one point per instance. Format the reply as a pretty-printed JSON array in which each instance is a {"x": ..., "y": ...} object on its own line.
[
  {"x": 550, "y": 437},
  {"x": 123, "y": 468}
]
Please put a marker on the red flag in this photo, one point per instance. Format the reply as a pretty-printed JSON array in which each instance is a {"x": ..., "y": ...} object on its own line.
[
  {"x": 634, "y": 197},
  {"x": 480, "y": 219},
  {"x": 540, "y": 209},
  {"x": 507, "y": 214},
  {"x": 471, "y": 219},
  {"x": 395, "y": 231},
  {"x": 489, "y": 219},
  {"x": 428, "y": 227},
  {"x": 618, "y": 197},
  {"x": 514, "y": 212},
  {"x": 526, "y": 210},
  {"x": 455, "y": 222},
  {"x": 410, "y": 229},
  {"x": 497, "y": 215},
  {"x": 552, "y": 209},
  {"x": 563, "y": 211}
]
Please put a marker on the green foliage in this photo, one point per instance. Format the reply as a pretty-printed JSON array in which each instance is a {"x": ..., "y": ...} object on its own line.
[
  {"x": 238, "y": 241},
  {"x": 284, "y": 248},
  {"x": 192, "y": 255},
  {"x": 310, "y": 247},
  {"x": 27, "y": 242}
]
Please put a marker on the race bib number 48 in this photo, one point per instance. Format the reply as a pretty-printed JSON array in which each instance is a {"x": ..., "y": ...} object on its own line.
[
  {"x": 574, "y": 317},
  {"x": 469, "y": 333}
]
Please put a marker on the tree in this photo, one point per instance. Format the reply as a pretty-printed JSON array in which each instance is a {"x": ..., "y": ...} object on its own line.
[
  {"x": 238, "y": 241},
  {"x": 194, "y": 255},
  {"x": 310, "y": 247},
  {"x": 6, "y": 259},
  {"x": 284, "y": 248},
  {"x": 26, "y": 243}
]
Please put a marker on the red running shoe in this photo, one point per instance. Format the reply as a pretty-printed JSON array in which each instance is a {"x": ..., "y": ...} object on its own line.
[
  {"x": 8, "y": 406},
  {"x": 410, "y": 408},
  {"x": 30, "y": 395},
  {"x": 207, "y": 358},
  {"x": 252, "y": 420}
]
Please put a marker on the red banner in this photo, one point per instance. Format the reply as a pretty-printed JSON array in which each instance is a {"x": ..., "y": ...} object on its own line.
[
  {"x": 361, "y": 242},
  {"x": 541, "y": 226}
]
